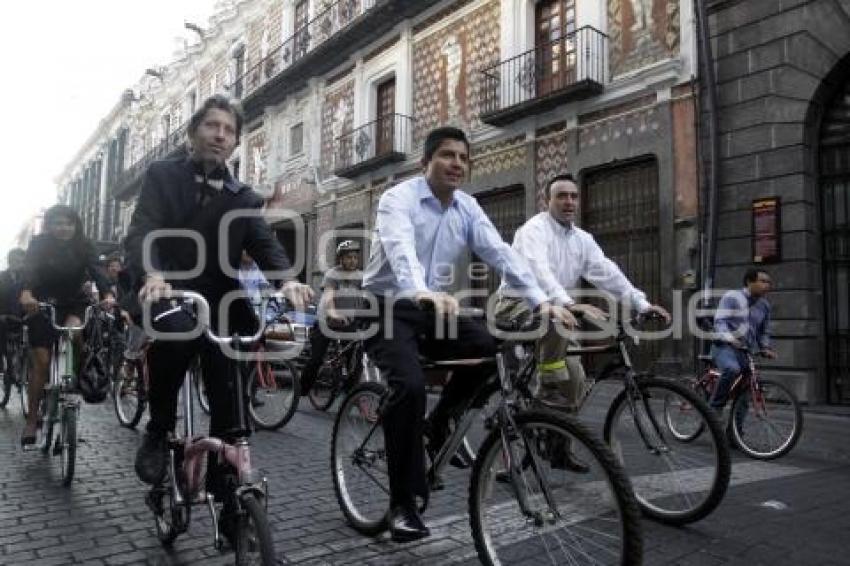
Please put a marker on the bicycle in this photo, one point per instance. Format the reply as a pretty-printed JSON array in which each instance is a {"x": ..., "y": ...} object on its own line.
[
  {"x": 172, "y": 500},
  {"x": 674, "y": 482},
  {"x": 542, "y": 512},
  {"x": 339, "y": 372},
  {"x": 130, "y": 388},
  {"x": 60, "y": 403},
  {"x": 16, "y": 363},
  {"x": 273, "y": 384},
  {"x": 762, "y": 409}
]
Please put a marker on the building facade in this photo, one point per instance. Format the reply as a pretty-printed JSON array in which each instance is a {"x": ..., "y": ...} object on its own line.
[
  {"x": 783, "y": 123},
  {"x": 339, "y": 95}
]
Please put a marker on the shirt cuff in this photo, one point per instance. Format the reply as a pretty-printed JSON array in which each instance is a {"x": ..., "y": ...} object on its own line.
[{"x": 535, "y": 297}]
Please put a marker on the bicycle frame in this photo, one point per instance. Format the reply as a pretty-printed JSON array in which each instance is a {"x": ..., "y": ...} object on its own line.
[
  {"x": 712, "y": 375},
  {"x": 501, "y": 417}
]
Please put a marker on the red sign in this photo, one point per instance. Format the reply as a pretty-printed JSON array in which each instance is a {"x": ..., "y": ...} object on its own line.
[{"x": 766, "y": 230}]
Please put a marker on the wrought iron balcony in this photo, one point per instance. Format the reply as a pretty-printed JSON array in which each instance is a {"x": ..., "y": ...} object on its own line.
[
  {"x": 324, "y": 43},
  {"x": 169, "y": 146},
  {"x": 569, "y": 68},
  {"x": 383, "y": 141}
]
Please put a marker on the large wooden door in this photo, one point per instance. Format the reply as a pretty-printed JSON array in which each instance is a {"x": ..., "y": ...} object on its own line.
[
  {"x": 619, "y": 207},
  {"x": 505, "y": 207},
  {"x": 385, "y": 114},
  {"x": 555, "y": 24},
  {"x": 302, "y": 35},
  {"x": 834, "y": 184}
]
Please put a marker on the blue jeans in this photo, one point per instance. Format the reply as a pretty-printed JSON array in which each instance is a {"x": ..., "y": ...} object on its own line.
[{"x": 730, "y": 362}]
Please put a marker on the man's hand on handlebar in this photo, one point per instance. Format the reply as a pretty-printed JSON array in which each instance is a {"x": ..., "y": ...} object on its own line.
[
  {"x": 28, "y": 302},
  {"x": 556, "y": 313},
  {"x": 588, "y": 311},
  {"x": 297, "y": 293},
  {"x": 442, "y": 303},
  {"x": 769, "y": 353},
  {"x": 154, "y": 288},
  {"x": 659, "y": 311}
]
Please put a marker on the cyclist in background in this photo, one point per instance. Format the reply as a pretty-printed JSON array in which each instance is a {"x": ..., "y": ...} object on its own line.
[
  {"x": 740, "y": 324},
  {"x": 346, "y": 277},
  {"x": 11, "y": 282},
  {"x": 58, "y": 263}
]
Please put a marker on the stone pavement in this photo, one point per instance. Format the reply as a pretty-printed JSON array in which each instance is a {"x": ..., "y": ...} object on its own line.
[{"x": 792, "y": 511}]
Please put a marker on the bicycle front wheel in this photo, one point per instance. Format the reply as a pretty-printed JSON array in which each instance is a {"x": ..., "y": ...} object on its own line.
[
  {"x": 552, "y": 493},
  {"x": 675, "y": 482},
  {"x": 359, "y": 460},
  {"x": 273, "y": 395},
  {"x": 766, "y": 424},
  {"x": 254, "y": 538},
  {"x": 128, "y": 395},
  {"x": 68, "y": 443}
]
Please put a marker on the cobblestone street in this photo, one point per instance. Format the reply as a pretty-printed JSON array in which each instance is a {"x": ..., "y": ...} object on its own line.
[{"x": 792, "y": 511}]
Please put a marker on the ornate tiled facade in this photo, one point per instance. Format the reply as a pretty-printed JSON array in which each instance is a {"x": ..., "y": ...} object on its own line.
[
  {"x": 256, "y": 159},
  {"x": 641, "y": 32},
  {"x": 551, "y": 158},
  {"x": 337, "y": 118},
  {"x": 495, "y": 158},
  {"x": 446, "y": 70},
  {"x": 631, "y": 123}
]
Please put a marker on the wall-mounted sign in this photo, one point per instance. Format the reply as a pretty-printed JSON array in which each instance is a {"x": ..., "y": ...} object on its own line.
[{"x": 766, "y": 230}]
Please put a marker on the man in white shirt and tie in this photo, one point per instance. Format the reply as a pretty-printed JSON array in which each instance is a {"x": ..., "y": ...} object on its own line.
[{"x": 561, "y": 254}]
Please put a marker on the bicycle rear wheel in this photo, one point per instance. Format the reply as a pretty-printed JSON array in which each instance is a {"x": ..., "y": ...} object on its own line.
[
  {"x": 768, "y": 424},
  {"x": 588, "y": 517},
  {"x": 323, "y": 391},
  {"x": 128, "y": 395},
  {"x": 274, "y": 398},
  {"x": 675, "y": 482},
  {"x": 254, "y": 538},
  {"x": 359, "y": 460},
  {"x": 68, "y": 443},
  {"x": 682, "y": 418}
]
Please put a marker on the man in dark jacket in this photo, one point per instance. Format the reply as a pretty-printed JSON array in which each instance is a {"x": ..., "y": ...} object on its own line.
[{"x": 194, "y": 194}]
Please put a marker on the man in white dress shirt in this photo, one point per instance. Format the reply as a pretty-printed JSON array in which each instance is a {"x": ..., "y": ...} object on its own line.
[{"x": 560, "y": 254}]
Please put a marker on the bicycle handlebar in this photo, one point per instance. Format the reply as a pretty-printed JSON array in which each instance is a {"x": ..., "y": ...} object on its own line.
[
  {"x": 203, "y": 315},
  {"x": 52, "y": 309}
]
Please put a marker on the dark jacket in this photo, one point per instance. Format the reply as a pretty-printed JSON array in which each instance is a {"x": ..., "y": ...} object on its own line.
[
  {"x": 57, "y": 269},
  {"x": 169, "y": 199}
]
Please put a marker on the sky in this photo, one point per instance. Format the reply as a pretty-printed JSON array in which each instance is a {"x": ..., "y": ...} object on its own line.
[{"x": 66, "y": 63}]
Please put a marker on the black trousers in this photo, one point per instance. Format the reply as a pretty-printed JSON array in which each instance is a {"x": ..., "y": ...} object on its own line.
[
  {"x": 396, "y": 351},
  {"x": 318, "y": 347},
  {"x": 168, "y": 361}
]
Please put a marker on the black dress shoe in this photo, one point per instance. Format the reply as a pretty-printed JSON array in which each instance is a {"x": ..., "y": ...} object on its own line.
[{"x": 406, "y": 525}]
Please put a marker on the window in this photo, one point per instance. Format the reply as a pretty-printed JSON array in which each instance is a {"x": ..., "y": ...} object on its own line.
[
  {"x": 238, "y": 71},
  {"x": 302, "y": 35},
  {"x": 296, "y": 139}
]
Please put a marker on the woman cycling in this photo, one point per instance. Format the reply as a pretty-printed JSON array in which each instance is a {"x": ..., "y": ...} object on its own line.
[{"x": 58, "y": 263}]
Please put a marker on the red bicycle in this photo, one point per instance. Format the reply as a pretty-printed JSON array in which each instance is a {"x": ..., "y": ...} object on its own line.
[
  {"x": 274, "y": 384},
  {"x": 765, "y": 420}
]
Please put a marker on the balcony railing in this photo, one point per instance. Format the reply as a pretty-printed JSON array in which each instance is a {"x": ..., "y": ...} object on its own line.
[
  {"x": 385, "y": 140},
  {"x": 571, "y": 67},
  {"x": 170, "y": 144},
  {"x": 305, "y": 39}
]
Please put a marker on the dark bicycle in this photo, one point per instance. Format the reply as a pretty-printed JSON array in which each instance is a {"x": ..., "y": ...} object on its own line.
[
  {"x": 340, "y": 371},
  {"x": 16, "y": 364},
  {"x": 675, "y": 482},
  {"x": 544, "y": 513}
]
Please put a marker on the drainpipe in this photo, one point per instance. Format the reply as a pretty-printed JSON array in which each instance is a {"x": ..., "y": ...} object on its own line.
[{"x": 711, "y": 174}]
